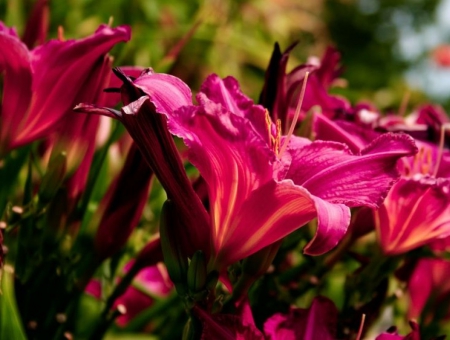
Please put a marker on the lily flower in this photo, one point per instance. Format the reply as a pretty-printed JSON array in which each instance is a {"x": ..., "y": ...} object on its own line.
[
  {"x": 41, "y": 85},
  {"x": 258, "y": 196},
  {"x": 259, "y": 192}
]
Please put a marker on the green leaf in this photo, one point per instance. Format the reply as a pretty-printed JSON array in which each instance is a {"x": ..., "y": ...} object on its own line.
[{"x": 10, "y": 323}]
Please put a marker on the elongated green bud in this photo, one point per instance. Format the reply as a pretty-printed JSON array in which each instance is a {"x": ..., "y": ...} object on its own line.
[
  {"x": 196, "y": 275},
  {"x": 53, "y": 178},
  {"x": 175, "y": 261}
]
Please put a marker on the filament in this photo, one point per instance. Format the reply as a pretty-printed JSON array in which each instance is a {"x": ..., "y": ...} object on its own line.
[{"x": 296, "y": 115}]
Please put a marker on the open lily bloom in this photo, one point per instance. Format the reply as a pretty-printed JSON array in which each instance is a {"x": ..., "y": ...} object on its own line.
[
  {"x": 258, "y": 196},
  {"x": 41, "y": 85},
  {"x": 416, "y": 210}
]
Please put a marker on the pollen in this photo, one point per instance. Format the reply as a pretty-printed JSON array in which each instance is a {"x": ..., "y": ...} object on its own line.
[{"x": 274, "y": 141}]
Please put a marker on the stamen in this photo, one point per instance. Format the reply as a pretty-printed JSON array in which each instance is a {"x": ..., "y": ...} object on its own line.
[
  {"x": 296, "y": 115},
  {"x": 110, "y": 21},
  {"x": 274, "y": 142},
  {"x": 361, "y": 327},
  {"x": 61, "y": 33},
  {"x": 269, "y": 127},
  {"x": 445, "y": 127},
  {"x": 276, "y": 147},
  {"x": 404, "y": 104}
]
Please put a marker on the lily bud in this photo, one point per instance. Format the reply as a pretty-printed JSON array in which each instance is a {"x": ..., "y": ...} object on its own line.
[
  {"x": 53, "y": 178},
  {"x": 196, "y": 275},
  {"x": 175, "y": 261}
]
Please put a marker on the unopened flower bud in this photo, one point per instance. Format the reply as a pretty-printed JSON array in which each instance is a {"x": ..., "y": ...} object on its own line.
[
  {"x": 175, "y": 261},
  {"x": 53, "y": 178},
  {"x": 196, "y": 275}
]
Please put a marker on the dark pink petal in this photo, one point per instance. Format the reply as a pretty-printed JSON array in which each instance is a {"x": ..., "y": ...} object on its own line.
[
  {"x": 226, "y": 327},
  {"x": 76, "y": 134},
  {"x": 227, "y": 93},
  {"x": 60, "y": 71},
  {"x": 115, "y": 83},
  {"x": 123, "y": 204},
  {"x": 317, "y": 322},
  {"x": 167, "y": 93},
  {"x": 37, "y": 24},
  {"x": 15, "y": 65},
  {"x": 429, "y": 284},
  {"x": 329, "y": 69},
  {"x": 416, "y": 212},
  {"x": 330, "y": 171},
  {"x": 94, "y": 288},
  {"x": 149, "y": 131},
  {"x": 229, "y": 154},
  {"x": 356, "y": 137}
]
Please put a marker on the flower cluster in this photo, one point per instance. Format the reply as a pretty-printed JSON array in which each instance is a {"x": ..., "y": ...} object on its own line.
[{"x": 303, "y": 216}]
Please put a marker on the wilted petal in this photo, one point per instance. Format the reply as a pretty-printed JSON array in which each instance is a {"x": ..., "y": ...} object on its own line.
[
  {"x": 330, "y": 171},
  {"x": 416, "y": 212}
]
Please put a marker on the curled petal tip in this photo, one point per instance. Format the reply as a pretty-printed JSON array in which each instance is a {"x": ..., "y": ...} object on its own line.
[{"x": 92, "y": 109}]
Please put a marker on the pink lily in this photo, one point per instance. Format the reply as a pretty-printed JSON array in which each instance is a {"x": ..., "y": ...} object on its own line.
[
  {"x": 257, "y": 196},
  {"x": 42, "y": 85}
]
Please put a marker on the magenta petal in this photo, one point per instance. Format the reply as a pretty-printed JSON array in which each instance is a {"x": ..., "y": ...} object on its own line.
[
  {"x": 332, "y": 224},
  {"x": 15, "y": 64},
  {"x": 416, "y": 212},
  {"x": 317, "y": 322},
  {"x": 326, "y": 129},
  {"x": 231, "y": 157},
  {"x": 269, "y": 213},
  {"x": 61, "y": 70},
  {"x": 227, "y": 93},
  {"x": 167, "y": 93},
  {"x": 275, "y": 210},
  {"x": 330, "y": 171}
]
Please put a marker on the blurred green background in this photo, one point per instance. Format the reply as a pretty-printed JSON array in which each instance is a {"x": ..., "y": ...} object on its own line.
[{"x": 385, "y": 44}]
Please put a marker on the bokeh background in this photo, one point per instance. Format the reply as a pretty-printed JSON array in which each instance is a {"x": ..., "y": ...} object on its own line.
[{"x": 387, "y": 46}]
